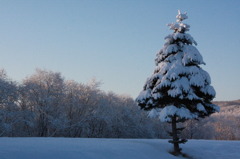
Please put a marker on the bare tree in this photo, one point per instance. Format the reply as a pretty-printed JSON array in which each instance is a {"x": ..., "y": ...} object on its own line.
[{"x": 44, "y": 93}]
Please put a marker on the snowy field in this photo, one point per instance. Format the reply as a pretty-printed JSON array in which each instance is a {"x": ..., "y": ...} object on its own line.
[{"x": 78, "y": 148}]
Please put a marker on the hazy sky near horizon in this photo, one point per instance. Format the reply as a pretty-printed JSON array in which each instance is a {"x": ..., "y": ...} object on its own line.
[{"x": 116, "y": 41}]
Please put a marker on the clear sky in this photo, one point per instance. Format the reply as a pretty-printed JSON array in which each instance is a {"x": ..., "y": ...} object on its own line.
[{"x": 115, "y": 41}]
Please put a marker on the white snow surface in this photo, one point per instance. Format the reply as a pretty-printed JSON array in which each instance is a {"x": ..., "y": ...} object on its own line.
[
  {"x": 191, "y": 54},
  {"x": 80, "y": 148},
  {"x": 168, "y": 111}
]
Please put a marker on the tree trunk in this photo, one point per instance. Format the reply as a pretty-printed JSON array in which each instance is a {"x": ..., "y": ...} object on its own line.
[{"x": 175, "y": 140}]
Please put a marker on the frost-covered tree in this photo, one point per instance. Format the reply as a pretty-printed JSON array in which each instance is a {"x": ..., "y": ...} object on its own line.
[
  {"x": 179, "y": 89},
  {"x": 44, "y": 95},
  {"x": 9, "y": 115}
]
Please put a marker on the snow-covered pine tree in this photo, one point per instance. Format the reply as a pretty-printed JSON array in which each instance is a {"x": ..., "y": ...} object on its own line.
[{"x": 179, "y": 89}]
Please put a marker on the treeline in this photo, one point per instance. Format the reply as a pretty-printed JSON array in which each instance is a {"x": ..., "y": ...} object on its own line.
[
  {"x": 46, "y": 105},
  {"x": 224, "y": 125}
]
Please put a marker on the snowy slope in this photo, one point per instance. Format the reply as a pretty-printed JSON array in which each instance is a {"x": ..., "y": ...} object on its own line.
[{"x": 76, "y": 148}]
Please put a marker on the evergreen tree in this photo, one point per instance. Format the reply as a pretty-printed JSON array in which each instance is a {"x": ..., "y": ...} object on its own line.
[{"x": 179, "y": 89}]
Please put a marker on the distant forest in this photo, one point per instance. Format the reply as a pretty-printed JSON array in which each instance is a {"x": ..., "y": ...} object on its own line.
[{"x": 46, "y": 105}]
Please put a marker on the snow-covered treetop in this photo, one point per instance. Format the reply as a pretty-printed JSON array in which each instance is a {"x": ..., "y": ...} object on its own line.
[
  {"x": 181, "y": 16},
  {"x": 179, "y": 26}
]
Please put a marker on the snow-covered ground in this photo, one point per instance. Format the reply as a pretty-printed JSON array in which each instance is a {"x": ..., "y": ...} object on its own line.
[{"x": 79, "y": 148}]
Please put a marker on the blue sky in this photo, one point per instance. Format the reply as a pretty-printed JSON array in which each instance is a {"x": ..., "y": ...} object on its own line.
[{"x": 116, "y": 41}]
